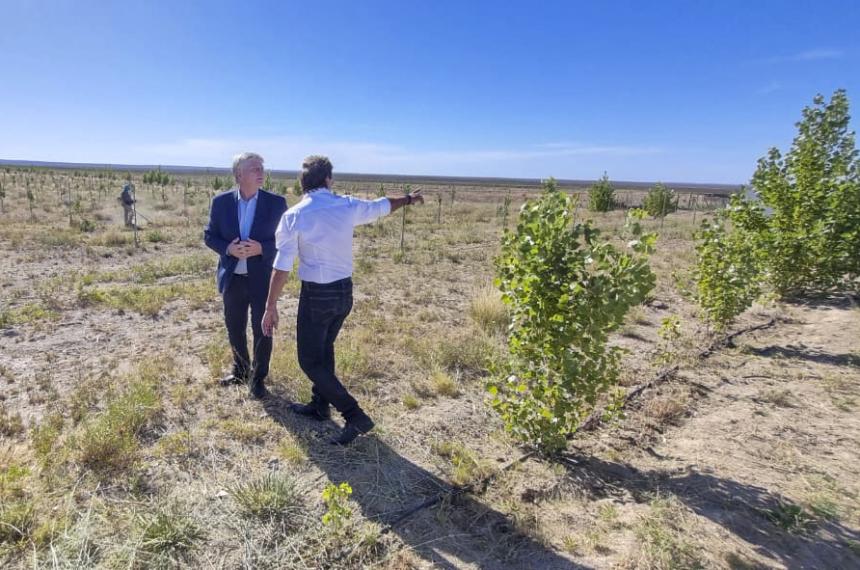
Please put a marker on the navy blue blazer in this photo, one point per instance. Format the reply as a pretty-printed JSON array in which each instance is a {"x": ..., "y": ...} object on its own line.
[{"x": 223, "y": 228}]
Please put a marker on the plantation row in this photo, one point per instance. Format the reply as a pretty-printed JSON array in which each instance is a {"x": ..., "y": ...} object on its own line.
[{"x": 568, "y": 288}]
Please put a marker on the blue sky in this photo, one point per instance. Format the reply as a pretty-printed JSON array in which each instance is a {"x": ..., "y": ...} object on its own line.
[{"x": 674, "y": 91}]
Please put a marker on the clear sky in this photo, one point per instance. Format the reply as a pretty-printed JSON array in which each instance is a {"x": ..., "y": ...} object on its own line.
[{"x": 688, "y": 91}]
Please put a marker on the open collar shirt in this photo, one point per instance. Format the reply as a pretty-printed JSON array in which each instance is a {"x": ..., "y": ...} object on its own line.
[
  {"x": 246, "y": 211},
  {"x": 319, "y": 231}
]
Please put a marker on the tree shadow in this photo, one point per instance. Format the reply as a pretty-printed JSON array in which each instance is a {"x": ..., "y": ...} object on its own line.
[
  {"x": 452, "y": 533},
  {"x": 775, "y": 526},
  {"x": 808, "y": 354},
  {"x": 844, "y": 301}
]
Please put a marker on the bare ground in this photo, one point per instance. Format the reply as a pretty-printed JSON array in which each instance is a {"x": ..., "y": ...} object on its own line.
[{"x": 745, "y": 459}]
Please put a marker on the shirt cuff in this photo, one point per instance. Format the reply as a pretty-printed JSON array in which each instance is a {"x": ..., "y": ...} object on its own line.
[{"x": 283, "y": 262}]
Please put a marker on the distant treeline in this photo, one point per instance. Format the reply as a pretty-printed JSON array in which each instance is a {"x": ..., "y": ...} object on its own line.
[{"x": 715, "y": 189}]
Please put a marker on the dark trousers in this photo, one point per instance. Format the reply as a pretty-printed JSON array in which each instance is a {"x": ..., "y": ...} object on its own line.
[
  {"x": 322, "y": 310},
  {"x": 237, "y": 300}
]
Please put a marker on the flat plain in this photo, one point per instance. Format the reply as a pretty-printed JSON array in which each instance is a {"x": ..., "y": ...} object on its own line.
[{"x": 119, "y": 450}]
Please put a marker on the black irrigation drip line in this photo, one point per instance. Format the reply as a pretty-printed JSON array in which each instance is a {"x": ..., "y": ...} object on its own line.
[
  {"x": 594, "y": 419},
  {"x": 589, "y": 425}
]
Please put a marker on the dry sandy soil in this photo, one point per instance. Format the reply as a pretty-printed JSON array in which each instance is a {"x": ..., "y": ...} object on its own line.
[{"x": 117, "y": 448}]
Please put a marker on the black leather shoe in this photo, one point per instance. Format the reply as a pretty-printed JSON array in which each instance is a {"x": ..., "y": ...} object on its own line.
[
  {"x": 231, "y": 380},
  {"x": 352, "y": 430},
  {"x": 312, "y": 411}
]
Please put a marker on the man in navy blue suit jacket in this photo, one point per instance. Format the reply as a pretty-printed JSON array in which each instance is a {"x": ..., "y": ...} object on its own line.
[{"x": 241, "y": 229}]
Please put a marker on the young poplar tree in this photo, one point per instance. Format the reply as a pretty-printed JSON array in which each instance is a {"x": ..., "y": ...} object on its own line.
[{"x": 568, "y": 288}]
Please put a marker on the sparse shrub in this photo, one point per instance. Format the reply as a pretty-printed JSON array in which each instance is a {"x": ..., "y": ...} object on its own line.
[
  {"x": 108, "y": 443},
  {"x": 17, "y": 520},
  {"x": 489, "y": 312},
  {"x": 668, "y": 407},
  {"x": 568, "y": 289},
  {"x": 669, "y": 333},
  {"x": 243, "y": 430},
  {"x": 274, "y": 496},
  {"x": 463, "y": 353},
  {"x": 727, "y": 271},
  {"x": 156, "y": 236},
  {"x": 174, "y": 444},
  {"x": 790, "y": 517},
  {"x": 11, "y": 424},
  {"x": 167, "y": 536},
  {"x": 292, "y": 450},
  {"x": 443, "y": 384},
  {"x": 12, "y": 479},
  {"x": 601, "y": 195},
  {"x": 338, "y": 511},
  {"x": 86, "y": 226},
  {"x": 824, "y": 507},
  {"x": 411, "y": 402},
  {"x": 112, "y": 238},
  {"x": 660, "y": 201},
  {"x": 467, "y": 469},
  {"x": 44, "y": 437}
]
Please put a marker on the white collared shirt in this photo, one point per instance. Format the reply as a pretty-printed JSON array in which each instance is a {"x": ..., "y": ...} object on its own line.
[{"x": 319, "y": 231}]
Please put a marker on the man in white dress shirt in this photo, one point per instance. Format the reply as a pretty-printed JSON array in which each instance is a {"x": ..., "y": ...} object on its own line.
[{"x": 319, "y": 231}]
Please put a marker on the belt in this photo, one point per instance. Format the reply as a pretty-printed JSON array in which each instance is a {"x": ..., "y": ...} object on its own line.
[{"x": 340, "y": 284}]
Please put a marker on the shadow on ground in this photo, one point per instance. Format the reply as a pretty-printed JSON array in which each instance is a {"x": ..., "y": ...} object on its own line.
[
  {"x": 450, "y": 534},
  {"x": 751, "y": 513},
  {"x": 834, "y": 301},
  {"x": 807, "y": 354}
]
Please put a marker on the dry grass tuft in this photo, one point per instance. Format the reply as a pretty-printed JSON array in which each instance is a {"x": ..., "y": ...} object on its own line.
[{"x": 489, "y": 312}]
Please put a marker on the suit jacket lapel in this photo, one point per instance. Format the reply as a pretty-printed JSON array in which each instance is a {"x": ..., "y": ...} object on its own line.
[{"x": 235, "y": 213}]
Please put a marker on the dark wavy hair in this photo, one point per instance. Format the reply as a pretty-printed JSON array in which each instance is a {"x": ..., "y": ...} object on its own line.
[{"x": 315, "y": 170}]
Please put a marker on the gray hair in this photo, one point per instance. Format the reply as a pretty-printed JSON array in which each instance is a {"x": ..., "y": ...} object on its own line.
[{"x": 240, "y": 158}]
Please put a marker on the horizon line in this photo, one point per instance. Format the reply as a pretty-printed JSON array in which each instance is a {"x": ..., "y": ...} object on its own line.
[{"x": 363, "y": 176}]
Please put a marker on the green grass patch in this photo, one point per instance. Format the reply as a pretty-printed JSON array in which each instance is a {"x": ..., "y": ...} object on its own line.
[
  {"x": 149, "y": 300},
  {"x": 108, "y": 442},
  {"x": 274, "y": 496},
  {"x": 660, "y": 537},
  {"x": 167, "y": 537},
  {"x": 26, "y": 314},
  {"x": 466, "y": 466}
]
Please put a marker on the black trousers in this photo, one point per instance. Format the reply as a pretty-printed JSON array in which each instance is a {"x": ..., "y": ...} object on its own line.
[
  {"x": 322, "y": 311},
  {"x": 237, "y": 300}
]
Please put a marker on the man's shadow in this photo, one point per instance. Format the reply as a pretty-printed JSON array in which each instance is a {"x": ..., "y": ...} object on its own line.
[
  {"x": 386, "y": 485},
  {"x": 749, "y": 512}
]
